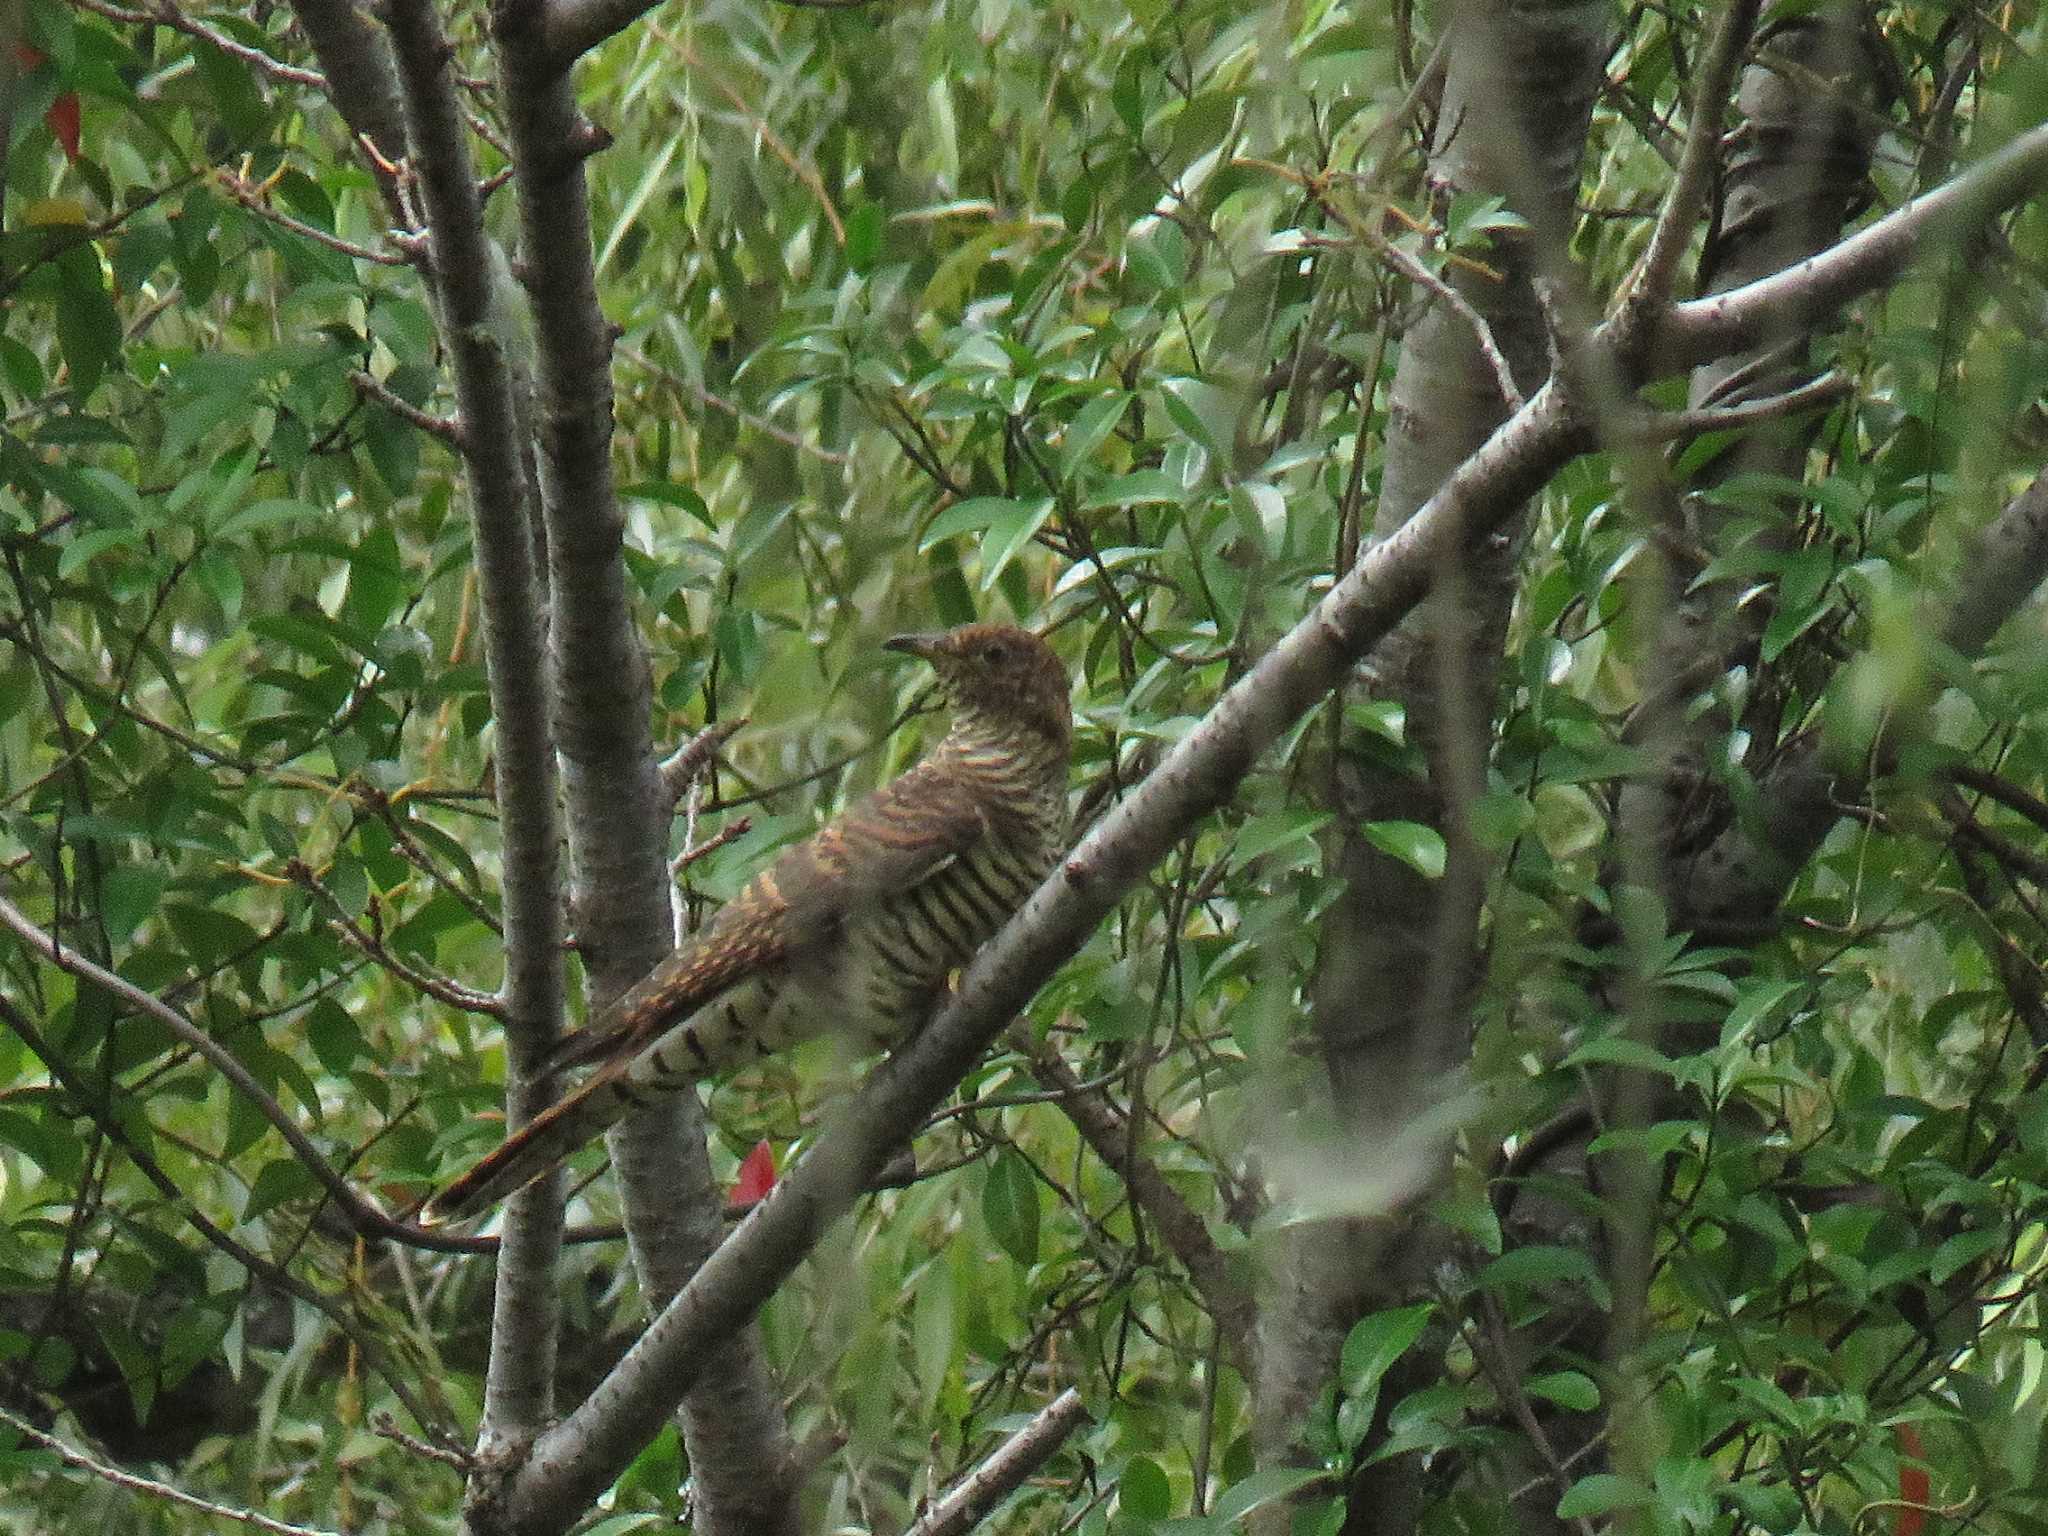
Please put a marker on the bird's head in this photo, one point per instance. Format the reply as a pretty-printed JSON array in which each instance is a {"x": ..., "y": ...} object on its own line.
[{"x": 998, "y": 675}]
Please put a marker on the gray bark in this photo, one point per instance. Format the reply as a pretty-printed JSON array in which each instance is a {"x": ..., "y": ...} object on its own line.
[{"x": 1398, "y": 949}]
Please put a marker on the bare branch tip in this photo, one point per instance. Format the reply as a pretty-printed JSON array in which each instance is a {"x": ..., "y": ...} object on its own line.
[{"x": 588, "y": 138}]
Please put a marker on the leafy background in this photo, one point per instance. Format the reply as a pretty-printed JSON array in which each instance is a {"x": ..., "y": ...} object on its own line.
[{"x": 932, "y": 311}]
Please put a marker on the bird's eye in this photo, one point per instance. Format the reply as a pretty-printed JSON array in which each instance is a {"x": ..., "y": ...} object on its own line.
[{"x": 995, "y": 653}]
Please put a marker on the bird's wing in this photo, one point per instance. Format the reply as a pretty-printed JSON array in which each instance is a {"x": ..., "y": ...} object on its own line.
[
  {"x": 893, "y": 841},
  {"x": 889, "y": 843}
]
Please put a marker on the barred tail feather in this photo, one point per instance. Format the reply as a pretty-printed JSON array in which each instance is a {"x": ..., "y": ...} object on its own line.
[{"x": 536, "y": 1147}]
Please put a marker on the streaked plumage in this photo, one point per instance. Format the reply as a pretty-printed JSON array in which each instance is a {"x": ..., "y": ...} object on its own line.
[{"x": 855, "y": 929}]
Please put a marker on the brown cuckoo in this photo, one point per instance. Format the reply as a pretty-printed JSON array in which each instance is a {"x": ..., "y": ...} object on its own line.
[{"x": 856, "y": 929}]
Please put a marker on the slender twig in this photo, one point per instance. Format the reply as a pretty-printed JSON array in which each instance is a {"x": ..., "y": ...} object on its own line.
[
  {"x": 2004, "y": 791},
  {"x": 1649, "y": 288},
  {"x": 806, "y": 173},
  {"x": 452, "y": 993},
  {"x": 681, "y": 768},
  {"x": 1660, "y": 426},
  {"x": 380, "y": 805},
  {"x": 2002, "y": 850},
  {"x": 169, "y": 15},
  {"x": 118, "y": 1132},
  {"x": 731, "y": 832},
  {"x": 251, "y": 197},
  {"x": 370, "y": 388},
  {"x": 386, "y": 1427},
  {"x": 782, "y": 435},
  {"x": 71, "y": 1456},
  {"x": 968, "y": 1501},
  {"x": 366, "y": 1217},
  {"x": 1482, "y": 333},
  {"x": 1110, "y": 1133}
]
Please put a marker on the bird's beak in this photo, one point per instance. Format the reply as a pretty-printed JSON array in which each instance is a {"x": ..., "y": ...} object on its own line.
[{"x": 915, "y": 645}]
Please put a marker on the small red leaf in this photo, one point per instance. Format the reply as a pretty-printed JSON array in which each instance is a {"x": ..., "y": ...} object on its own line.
[
  {"x": 63, "y": 118},
  {"x": 757, "y": 1177},
  {"x": 1914, "y": 1485},
  {"x": 63, "y": 115}
]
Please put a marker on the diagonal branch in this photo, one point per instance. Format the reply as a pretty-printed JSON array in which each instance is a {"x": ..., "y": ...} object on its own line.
[
  {"x": 574, "y": 1461},
  {"x": 967, "y": 1502},
  {"x": 1736, "y": 883},
  {"x": 118, "y": 1131},
  {"x": 71, "y": 1456},
  {"x": 1182, "y": 1229},
  {"x": 1875, "y": 256},
  {"x": 364, "y": 1217},
  {"x": 1650, "y": 288}
]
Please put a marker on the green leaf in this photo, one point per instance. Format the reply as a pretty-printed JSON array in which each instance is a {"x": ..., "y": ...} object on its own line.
[
  {"x": 1266, "y": 834},
  {"x": 82, "y": 550},
  {"x": 231, "y": 86},
  {"x": 933, "y": 1329},
  {"x": 1266, "y": 1486},
  {"x": 88, "y": 328},
  {"x": 1139, "y": 488},
  {"x": 1545, "y": 1266},
  {"x": 1261, "y": 513},
  {"x": 277, "y": 1181},
  {"x": 131, "y": 894},
  {"x": 1623, "y": 1051},
  {"x": 1385, "y": 718},
  {"x": 864, "y": 237},
  {"x": 1207, "y": 414},
  {"x": 1421, "y": 848},
  {"x": 1376, "y": 1341},
  {"x": 1143, "y": 1492},
  {"x": 266, "y": 513},
  {"x": 1600, "y": 1494},
  {"x": 53, "y": 1148},
  {"x": 671, "y": 494},
  {"x": 1008, "y": 534},
  {"x": 1568, "y": 1389},
  {"x": 1760, "y": 1004},
  {"x": 973, "y": 515},
  {"x": 1499, "y": 817},
  {"x": 376, "y": 581},
  {"x": 1963, "y": 1250},
  {"x": 1090, "y": 426},
  {"x": 1158, "y": 254},
  {"x": 1009, "y": 1204}
]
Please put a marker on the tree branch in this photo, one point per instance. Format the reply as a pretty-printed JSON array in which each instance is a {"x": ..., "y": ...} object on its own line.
[
  {"x": 968, "y": 1501},
  {"x": 71, "y": 1456},
  {"x": 1745, "y": 871},
  {"x": 474, "y": 319},
  {"x": 1108, "y": 1133},
  {"x": 365, "y": 1218},
  {"x": 617, "y": 809},
  {"x": 361, "y": 84},
  {"x": 117, "y": 1131},
  {"x": 1789, "y": 301},
  {"x": 1649, "y": 291}
]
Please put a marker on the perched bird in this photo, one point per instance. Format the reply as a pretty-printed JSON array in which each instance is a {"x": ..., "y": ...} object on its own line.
[{"x": 855, "y": 929}]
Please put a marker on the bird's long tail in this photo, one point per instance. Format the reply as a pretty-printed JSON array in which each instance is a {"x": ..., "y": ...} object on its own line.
[{"x": 539, "y": 1145}]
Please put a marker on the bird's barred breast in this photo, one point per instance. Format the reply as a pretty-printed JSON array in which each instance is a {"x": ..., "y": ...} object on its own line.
[{"x": 899, "y": 955}]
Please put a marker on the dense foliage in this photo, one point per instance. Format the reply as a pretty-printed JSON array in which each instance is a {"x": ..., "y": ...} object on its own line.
[{"x": 1088, "y": 314}]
